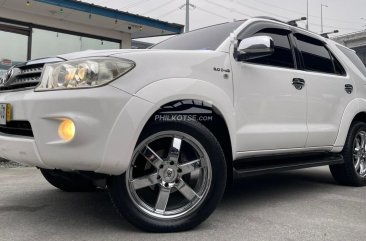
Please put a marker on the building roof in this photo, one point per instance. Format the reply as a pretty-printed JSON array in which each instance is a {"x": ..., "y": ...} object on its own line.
[
  {"x": 352, "y": 40},
  {"x": 93, "y": 15}
]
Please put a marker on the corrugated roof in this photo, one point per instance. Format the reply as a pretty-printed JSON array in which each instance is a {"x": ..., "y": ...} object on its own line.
[{"x": 115, "y": 14}]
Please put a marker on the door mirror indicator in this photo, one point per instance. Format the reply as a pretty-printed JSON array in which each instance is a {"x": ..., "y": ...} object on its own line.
[{"x": 254, "y": 47}]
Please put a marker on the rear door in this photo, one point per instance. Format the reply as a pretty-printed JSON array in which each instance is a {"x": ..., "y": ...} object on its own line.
[{"x": 326, "y": 83}]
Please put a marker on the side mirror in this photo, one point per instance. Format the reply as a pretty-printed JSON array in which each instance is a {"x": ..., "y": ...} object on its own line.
[{"x": 255, "y": 47}]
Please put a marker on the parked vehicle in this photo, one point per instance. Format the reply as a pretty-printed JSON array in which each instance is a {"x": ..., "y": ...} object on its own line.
[{"x": 165, "y": 129}]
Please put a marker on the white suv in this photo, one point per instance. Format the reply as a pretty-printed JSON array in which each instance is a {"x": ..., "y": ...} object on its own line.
[{"x": 166, "y": 128}]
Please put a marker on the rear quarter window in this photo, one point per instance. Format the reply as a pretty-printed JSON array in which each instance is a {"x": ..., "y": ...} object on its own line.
[{"x": 351, "y": 55}]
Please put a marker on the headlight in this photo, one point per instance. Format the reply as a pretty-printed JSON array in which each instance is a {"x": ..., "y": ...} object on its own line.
[{"x": 83, "y": 73}]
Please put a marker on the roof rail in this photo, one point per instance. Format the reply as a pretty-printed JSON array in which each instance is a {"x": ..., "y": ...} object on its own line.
[
  {"x": 291, "y": 22},
  {"x": 326, "y": 35},
  {"x": 294, "y": 22},
  {"x": 270, "y": 18}
]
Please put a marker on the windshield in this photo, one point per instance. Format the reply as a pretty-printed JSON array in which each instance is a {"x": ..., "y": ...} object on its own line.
[{"x": 209, "y": 38}]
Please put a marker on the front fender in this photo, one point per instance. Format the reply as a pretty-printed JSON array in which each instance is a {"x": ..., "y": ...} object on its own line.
[
  {"x": 145, "y": 103},
  {"x": 168, "y": 90}
]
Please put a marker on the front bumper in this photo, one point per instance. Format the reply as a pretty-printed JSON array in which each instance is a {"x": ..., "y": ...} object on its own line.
[{"x": 94, "y": 112}]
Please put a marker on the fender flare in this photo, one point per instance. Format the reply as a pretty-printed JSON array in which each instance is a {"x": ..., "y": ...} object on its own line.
[
  {"x": 136, "y": 113},
  {"x": 355, "y": 107}
]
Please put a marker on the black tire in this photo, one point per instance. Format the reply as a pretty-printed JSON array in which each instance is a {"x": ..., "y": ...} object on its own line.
[
  {"x": 126, "y": 207},
  {"x": 346, "y": 174},
  {"x": 68, "y": 181}
]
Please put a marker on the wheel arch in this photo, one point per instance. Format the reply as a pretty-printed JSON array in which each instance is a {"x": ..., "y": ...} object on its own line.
[
  {"x": 355, "y": 111},
  {"x": 149, "y": 100}
]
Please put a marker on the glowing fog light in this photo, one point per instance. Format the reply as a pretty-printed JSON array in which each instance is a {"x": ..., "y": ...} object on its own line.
[{"x": 66, "y": 130}]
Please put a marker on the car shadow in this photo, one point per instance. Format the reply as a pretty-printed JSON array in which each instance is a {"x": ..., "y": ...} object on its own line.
[
  {"x": 94, "y": 210},
  {"x": 277, "y": 187},
  {"x": 70, "y": 210}
]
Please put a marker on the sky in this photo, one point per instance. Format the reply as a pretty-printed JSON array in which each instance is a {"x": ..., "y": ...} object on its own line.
[{"x": 345, "y": 16}]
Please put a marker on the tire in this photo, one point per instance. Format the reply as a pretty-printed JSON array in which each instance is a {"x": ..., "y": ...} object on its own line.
[
  {"x": 145, "y": 208},
  {"x": 68, "y": 181},
  {"x": 350, "y": 172}
]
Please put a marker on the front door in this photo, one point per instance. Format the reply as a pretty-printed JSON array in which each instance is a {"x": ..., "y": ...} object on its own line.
[{"x": 270, "y": 105}]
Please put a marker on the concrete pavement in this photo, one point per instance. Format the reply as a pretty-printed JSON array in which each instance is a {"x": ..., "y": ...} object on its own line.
[{"x": 297, "y": 205}]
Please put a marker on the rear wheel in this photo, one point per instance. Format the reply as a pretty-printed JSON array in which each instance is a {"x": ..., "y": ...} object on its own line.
[
  {"x": 176, "y": 178},
  {"x": 68, "y": 181},
  {"x": 353, "y": 171}
]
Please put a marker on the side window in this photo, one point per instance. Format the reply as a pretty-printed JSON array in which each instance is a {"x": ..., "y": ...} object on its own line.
[
  {"x": 282, "y": 56},
  {"x": 352, "y": 56},
  {"x": 339, "y": 70},
  {"x": 315, "y": 55}
]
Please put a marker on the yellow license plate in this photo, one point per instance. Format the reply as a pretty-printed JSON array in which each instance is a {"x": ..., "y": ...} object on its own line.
[{"x": 5, "y": 113}]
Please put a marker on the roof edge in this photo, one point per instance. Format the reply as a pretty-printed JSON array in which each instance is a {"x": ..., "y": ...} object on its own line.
[{"x": 115, "y": 14}]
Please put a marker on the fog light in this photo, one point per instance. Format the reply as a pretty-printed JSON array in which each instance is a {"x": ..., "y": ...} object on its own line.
[{"x": 66, "y": 130}]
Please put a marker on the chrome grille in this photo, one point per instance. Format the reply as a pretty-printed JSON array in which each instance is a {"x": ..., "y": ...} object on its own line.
[{"x": 22, "y": 77}]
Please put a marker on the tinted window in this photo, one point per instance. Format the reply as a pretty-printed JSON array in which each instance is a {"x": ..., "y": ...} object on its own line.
[
  {"x": 316, "y": 56},
  {"x": 282, "y": 56},
  {"x": 209, "y": 38},
  {"x": 354, "y": 59},
  {"x": 339, "y": 70}
]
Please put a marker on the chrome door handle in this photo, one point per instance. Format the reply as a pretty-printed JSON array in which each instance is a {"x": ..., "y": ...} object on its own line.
[
  {"x": 298, "y": 83},
  {"x": 348, "y": 88}
]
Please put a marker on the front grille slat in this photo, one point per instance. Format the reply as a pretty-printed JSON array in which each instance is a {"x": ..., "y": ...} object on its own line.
[
  {"x": 17, "y": 128},
  {"x": 35, "y": 70},
  {"x": 23, "y": 77}
]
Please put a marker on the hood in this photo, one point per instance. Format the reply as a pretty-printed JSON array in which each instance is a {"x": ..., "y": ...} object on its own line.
[{"x": 99, "y": 53}]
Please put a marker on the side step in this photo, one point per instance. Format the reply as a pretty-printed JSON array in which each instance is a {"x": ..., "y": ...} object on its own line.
[{"x": 265, "y": 165}]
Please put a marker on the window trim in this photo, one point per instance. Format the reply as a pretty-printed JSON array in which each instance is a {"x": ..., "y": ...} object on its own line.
[
  {"x": 255, "y": 27},
  {"x": 331, "y": 55},
  {"x": 293, "y": 49},
  {"x": 300, "y": 61},
  {"x": 334, "y": 58}
]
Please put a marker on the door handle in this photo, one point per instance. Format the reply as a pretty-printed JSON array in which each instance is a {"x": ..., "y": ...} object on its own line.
[
  {"x": 298, "y": 83},
  {"x": 348, "y": 88}
]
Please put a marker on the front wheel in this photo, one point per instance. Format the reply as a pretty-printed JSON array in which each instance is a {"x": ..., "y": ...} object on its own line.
[{"x": 176, "y": 178}]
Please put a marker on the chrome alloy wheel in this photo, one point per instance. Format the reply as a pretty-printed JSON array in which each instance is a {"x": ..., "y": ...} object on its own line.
[
  {"x": 169, "y": 176},
  {"x": 359, "y": 153}
]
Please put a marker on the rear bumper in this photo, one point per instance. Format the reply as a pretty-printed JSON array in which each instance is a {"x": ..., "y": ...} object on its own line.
[{"x": 95, "y": 113}]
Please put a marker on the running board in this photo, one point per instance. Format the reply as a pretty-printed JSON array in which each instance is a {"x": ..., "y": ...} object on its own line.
[{"x": 259, "y": 166}]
